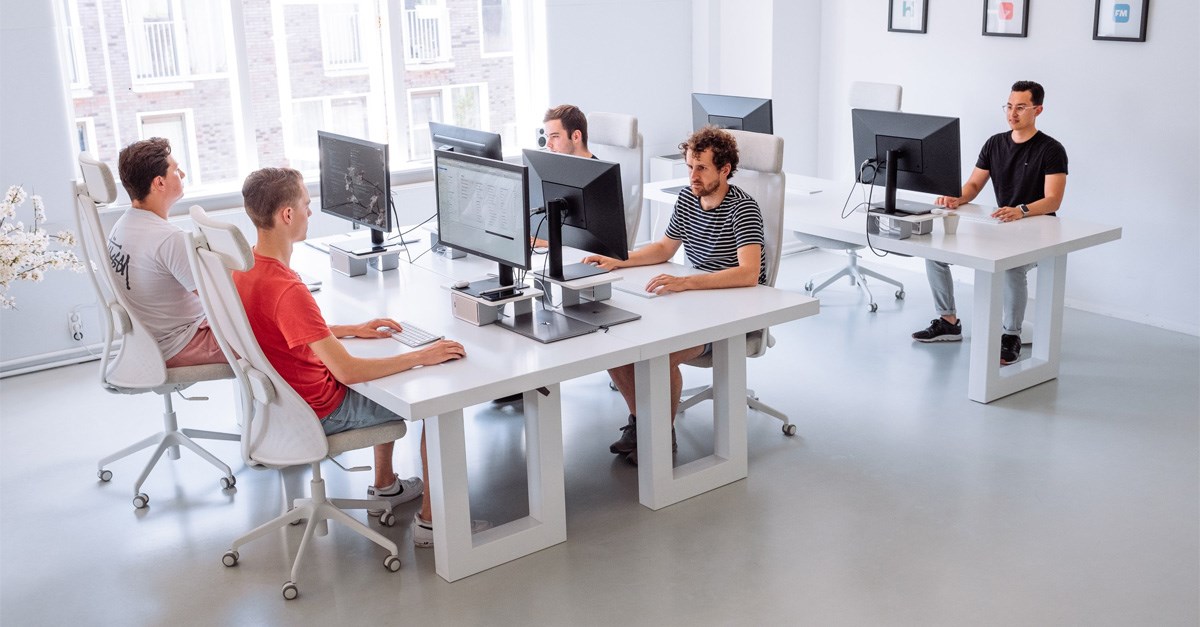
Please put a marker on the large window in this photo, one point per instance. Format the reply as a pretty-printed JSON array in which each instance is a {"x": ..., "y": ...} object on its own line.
[
  {"x": 460, "y": 105},
  {"x": 241, "y": 84}
]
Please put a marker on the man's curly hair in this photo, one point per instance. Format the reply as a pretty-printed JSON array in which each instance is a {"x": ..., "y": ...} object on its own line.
[{"x": 721, "y": 142}]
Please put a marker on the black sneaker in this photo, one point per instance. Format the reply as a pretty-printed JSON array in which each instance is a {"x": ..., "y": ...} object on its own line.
[
  {"x": 1010, "y": 349},
  {"x": 628, "y": 441},
  {"x": 633, "y": 457},
  {"x": 940, "y": 331}
]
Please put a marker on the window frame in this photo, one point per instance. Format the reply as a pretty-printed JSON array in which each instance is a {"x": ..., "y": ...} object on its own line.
[
  {"x": 525, "y": 16},
  {"x": 186, "y": 117},
  {"x": 483, "y": 51}
]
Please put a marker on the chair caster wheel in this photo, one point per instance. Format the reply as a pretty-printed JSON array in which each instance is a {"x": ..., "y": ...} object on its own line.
[
  {"x": 899, "y": 294},
  {"x": 290, "y": 591},
  {"x": 391, "y": 563},
  {"x": 105, "y": 475},
  {"x": 808, "y": 287},
  {"x": 874, "y": 307},
  {"x": 387, "y": 518},
  {"x": 230, "y": 558},
  {"x": 789, "y": 430},
  {"x": 228, "y": 482},
  {"x": 141, "y": 501}
]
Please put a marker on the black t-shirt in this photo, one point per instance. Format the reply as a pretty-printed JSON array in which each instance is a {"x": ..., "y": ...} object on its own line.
[{"x": 1018, "y": 171}]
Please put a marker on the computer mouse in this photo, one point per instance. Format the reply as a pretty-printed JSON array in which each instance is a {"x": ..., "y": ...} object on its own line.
[{"x": 459, "y": 285}]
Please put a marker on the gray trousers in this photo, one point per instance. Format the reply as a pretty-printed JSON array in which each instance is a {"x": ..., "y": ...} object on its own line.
[{"x": 1016, "y": 293}]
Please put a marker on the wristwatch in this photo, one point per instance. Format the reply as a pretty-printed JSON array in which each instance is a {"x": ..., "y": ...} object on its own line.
[{"x": 1024, "y": 209}]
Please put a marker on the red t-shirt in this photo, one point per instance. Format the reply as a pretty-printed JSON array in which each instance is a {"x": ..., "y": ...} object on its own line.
[{"x": 286, "y": 319}]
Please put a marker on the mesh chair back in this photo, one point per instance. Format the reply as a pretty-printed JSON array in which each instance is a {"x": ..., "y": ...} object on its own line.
[
  {"x": 279, "y": 428},
  {"x": 614, "y": 137}
]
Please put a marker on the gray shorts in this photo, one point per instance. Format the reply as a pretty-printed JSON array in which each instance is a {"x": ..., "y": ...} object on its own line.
[{"x": 356, "y": 412}]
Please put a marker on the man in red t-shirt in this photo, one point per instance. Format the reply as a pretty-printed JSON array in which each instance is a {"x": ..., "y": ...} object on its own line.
[{"x": 305, "y": 350}]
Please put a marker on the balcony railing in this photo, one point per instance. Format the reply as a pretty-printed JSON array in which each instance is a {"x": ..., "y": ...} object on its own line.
[
  {"x": 427, "y": 35},
  {"x": 343, "y": 41},
  {"x": 157, "y": 53}
]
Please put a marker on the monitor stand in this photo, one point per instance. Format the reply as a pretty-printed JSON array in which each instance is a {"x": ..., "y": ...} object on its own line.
[{"x": 546, "y": 326}]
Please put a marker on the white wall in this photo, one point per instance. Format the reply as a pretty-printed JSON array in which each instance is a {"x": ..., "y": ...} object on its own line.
[
  {"x": 624, "y": 56},
  {"x": 1128, "y": 114},
  {"x": 36, "y": 151}
]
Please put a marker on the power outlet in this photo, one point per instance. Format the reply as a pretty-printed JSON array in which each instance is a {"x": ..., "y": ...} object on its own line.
[{"x": 75, "y": 324}]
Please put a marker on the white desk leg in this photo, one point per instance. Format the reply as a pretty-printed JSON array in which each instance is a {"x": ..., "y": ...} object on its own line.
[
  {"x": 659, "y": 483},
  {"x": 985, "y": 336},
  {"x": 458, "y": 553},
  {"x": 989, "y": 381}
]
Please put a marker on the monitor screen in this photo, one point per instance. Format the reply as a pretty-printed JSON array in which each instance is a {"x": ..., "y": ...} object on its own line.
[
  {"x": 590, "y": 204},
  {"x": 735, "y": 112},
  {"x": 355, "y": 181},
  {"x": 465, "y": 140},
  {"x": 924, "y": 152},
  {"x": 483, "y": 208}
]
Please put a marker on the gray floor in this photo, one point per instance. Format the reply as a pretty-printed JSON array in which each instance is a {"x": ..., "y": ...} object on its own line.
[{"x": 899, "y": 501}]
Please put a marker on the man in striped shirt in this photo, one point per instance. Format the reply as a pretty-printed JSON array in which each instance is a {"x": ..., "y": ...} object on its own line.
[{"x": 721, "y": 230}]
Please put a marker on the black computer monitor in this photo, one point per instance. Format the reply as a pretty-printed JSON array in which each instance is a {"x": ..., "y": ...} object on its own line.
[
  {"x": 465, "y": 140},
  {"x": 735, "y": 112},
  {"x": 585, "y": 209},
  {"x": 483, "y": 209},
  {"x": 919, "y": 153},
  {"x": 356, "y": 182}
]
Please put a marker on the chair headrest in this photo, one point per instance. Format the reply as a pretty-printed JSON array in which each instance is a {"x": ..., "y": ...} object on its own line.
[
  {"x": 224, "y": 239},
  {"x": 612, "y": 129},
  {"x": 759, "y": 151},
  {"x": 97, "y": 179},
  {"x": 878, "y": 96}
]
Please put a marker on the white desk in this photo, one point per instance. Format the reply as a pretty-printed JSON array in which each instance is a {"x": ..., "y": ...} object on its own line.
[
  {"x": 500, "y": 362},
  {"x": 989, "y": 249}
]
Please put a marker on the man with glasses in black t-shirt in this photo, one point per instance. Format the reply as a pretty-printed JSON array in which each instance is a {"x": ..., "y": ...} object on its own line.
[{"x": 1028, "y": 170}]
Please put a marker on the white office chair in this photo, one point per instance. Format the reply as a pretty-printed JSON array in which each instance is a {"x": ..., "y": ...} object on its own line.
[
  {"x": 280, "y": 429},
  {"x": 138, "y": 367},
  {"x": 760, "y": 174},
  {"x": 882, "y": 97},
  {"x": 615, "y": 137}
]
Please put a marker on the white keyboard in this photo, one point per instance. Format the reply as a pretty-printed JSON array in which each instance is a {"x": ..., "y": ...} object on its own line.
[
  {"x": 414, "y": 336},
  {"x": 636, "y": 290}
]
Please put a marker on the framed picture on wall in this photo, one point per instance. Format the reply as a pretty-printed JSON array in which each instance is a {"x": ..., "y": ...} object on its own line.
[
  {"x": 1006, "y": 18},
  {"x": 907, "y": 16},
  {"x": 1120, "y": 20}
]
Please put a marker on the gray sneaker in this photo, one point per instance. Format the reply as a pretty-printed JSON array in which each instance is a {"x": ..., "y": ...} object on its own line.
[
  {"x": 940, "y": 331},
  {"x": 633, "y": 456},
  {"x": 422, "y": 530},
  {"x": 628, "y": 441}
]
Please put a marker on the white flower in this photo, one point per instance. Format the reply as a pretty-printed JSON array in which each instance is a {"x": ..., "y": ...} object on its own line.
[
  {"x": 39, "y": 210},
  {"x": 25, "y": 254},
  {"x": 15, "y": 195}
]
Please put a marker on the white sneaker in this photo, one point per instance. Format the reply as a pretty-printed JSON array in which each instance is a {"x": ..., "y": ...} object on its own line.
[
  {"x": 401, "y": 491},
  {"x": 422, "y": 530}
]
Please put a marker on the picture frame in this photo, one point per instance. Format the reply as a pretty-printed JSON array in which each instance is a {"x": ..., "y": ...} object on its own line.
[
  {"x": 1120, "y": 20},
  {"x": 908, "y": 16},
  {"x": 1006, "y": 18}
]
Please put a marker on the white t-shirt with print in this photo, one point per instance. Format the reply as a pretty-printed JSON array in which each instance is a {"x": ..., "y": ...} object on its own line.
[{"x": 149, "y": 256}]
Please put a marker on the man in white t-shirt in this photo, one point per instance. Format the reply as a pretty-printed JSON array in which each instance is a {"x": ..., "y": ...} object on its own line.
[{"x": 149, "y": 256}]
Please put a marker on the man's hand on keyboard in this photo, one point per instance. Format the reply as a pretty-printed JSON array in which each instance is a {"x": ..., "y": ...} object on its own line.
[
  {"x": 379, "y": 327},
  {"x": 440, "y": 351}
]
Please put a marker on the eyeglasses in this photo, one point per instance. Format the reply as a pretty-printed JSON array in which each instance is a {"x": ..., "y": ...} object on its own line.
[{"x": 1020, "y": 109}]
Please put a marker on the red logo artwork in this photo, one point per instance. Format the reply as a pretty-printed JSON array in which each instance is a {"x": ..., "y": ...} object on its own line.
[{"x": 1006, "y": 11}]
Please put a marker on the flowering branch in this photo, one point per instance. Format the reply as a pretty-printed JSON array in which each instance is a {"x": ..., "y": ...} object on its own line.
[{"x": 25, "y": 253}]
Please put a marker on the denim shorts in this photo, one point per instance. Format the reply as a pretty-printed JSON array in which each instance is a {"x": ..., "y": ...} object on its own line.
[{"x": 356, "y": 412}]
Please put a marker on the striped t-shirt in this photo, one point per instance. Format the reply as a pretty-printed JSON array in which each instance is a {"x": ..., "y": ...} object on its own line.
[{"x": 711, "y": 239}]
